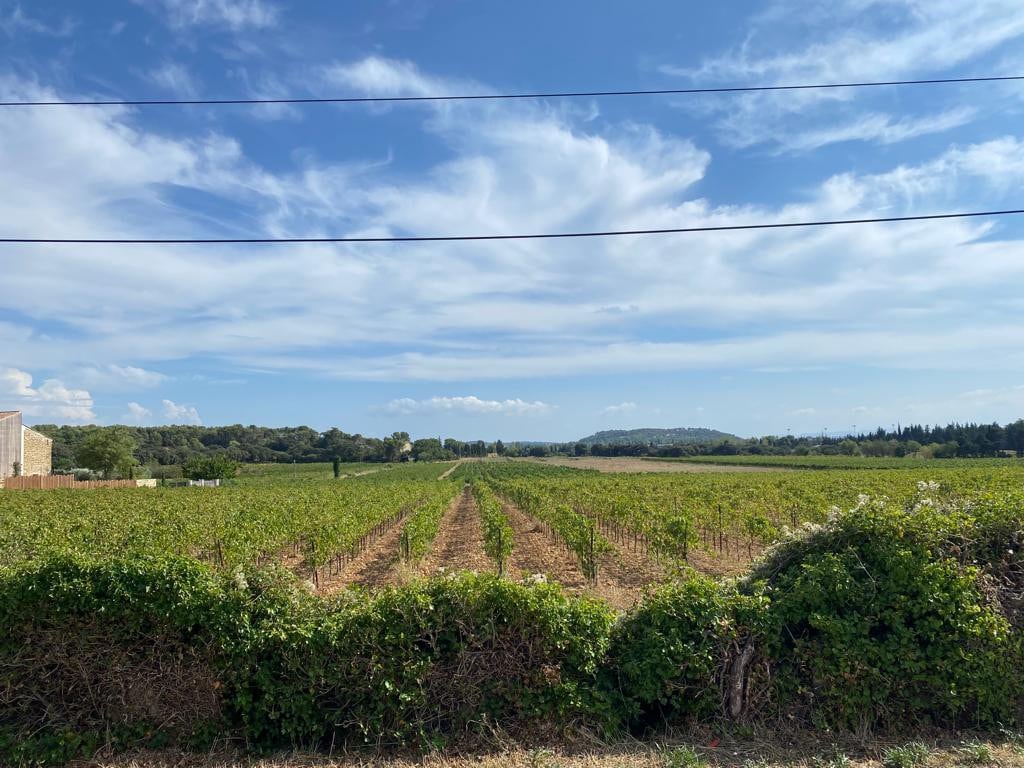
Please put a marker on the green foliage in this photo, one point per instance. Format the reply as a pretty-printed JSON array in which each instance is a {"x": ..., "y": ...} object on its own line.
[
  {"x": 107, "y": 451},
  {"x": 872, "y": 623},
  {"x": 421, "y": 527},
  {"x": 78, "y": 638},
  {"x": 890, "y": 614},
  {"x": 976, "y": 753},
  {"x": 909, "y": 755},
  {"x": 498, "y": 535},
  {"x": 217, "y": 467},
  {"x": 666, "y": 658},
  {"x": 428, "y": 659},
  {"x": 682, "y": 757}
]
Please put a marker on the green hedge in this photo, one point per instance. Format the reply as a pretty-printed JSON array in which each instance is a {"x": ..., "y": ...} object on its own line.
[
  {"x": 887, "y": 616},
  {"x": 884, "y": 617}
]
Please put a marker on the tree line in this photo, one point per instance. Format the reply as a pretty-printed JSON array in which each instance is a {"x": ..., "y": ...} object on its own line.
[
  {"x": 175, "y": 445},
  {"x": 953, "y": 440}
]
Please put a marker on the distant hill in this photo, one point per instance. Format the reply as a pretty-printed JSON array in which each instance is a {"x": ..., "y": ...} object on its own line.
[{"x": 674, "y": 436}]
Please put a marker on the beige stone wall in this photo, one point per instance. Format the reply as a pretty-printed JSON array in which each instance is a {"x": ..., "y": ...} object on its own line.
[
  {"x": 10, "y": 442},
  {"x": 38, "y": 454}
]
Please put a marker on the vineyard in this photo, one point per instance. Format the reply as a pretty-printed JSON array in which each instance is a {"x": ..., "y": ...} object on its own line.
[
  {"x": 316, "y": 525},
  {"x": 302, "y": 601}
]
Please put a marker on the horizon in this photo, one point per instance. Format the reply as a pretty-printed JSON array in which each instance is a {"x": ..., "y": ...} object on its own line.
[
  {"x": 756, "y": 332},
  {"x": 832, "y": 435}
]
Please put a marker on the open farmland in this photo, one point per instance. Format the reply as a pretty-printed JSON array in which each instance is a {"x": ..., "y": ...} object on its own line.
[
  {"x": 394, "y": 606},
  {"x": 611, "y": 533}
]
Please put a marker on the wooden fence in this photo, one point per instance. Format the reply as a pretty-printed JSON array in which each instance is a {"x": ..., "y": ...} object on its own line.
[{"x": 49, "y": 482}]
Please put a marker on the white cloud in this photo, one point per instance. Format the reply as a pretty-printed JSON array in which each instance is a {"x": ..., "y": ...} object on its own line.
[
  {"x": 137, "y": 414},
  {"x": 883, "y": 129},
  {"x": 619, "y": 410},
  {"x": 18, "y": 21},
  {"x": 180, "y": 414},
  {"x": 803, "y": 412},
  {"x": 468, "y": 405},
  {"x": 234, "y": 14},
  {"x": 120, "y": 377},
  {"x": 866, "y": 410},
  {"x": 888, "y": 295},
  {"x": 380, "y": 76},
  {"x": 51, "y": 400},
  {"x": 174, "y": 77},
  {"x": 851, "y": 43}
]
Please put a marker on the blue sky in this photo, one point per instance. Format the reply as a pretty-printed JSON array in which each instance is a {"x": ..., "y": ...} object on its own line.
[{"x": 750, "y": 332}]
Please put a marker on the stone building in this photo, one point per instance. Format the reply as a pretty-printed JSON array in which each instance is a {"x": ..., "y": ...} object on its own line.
[{"x": 31, "y": 451}]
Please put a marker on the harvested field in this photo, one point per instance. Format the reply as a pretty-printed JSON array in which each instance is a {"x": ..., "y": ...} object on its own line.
[{"x": 627, "y": 464}]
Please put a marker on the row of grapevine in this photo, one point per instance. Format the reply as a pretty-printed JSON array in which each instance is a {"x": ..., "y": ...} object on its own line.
[
  {"x": 422, "y": 526},
  {"x": 498, "y": 535},
  {"x": 575, "y": 530},
  {"x": 730, "y": 515}
]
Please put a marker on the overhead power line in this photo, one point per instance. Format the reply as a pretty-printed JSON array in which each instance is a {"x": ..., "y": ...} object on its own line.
[
  {"x": 459, "y": 238},
  {"x": 500, "y": 96}
]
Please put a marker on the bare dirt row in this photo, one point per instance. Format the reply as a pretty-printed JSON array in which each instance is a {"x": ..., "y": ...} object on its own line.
[
  {"x": 459, "y": 545},
  {"x": 623, "y": 574}
]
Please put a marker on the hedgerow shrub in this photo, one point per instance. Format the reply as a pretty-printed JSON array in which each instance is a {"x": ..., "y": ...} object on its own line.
[
  {"x": 871, "y": 622},
  {"x": 124, "y": 651},
  {"x": 420, "y": 662},
  {"x": 883, "y": 617},
  {"x": 670, "y": 657}
]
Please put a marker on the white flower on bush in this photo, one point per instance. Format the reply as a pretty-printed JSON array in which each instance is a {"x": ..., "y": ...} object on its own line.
[
  {"x": 925, "y": 486},
  {"x": 238, "y": 579}
]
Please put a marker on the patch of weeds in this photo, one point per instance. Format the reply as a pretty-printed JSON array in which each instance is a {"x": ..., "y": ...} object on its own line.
[
  {"x": 682, "y": 757},
  {"x": 910, "y": 755},
  {"x": 837, "y": 759},
  {"x": 976, "y": 753},
  {"x": 540, "y": 758}
]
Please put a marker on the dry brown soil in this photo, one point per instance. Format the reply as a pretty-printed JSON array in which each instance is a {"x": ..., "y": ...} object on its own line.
[
  {"x": 628, "y": 464},
  {"x": 459, "y": 545}
]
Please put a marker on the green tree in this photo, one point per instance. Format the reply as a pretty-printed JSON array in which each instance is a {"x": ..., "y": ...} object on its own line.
[
  {"x": 209, "y": 468},
  {"x": 108, "y": 451},
  {"x": 848, "y": 447}
]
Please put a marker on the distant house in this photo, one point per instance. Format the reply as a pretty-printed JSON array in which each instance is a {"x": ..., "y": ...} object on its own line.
[{"x": 31, "y": 451}]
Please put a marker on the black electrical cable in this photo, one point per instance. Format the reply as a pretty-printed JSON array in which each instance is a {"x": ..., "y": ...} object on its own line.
[
  {"x": 500, "y": 96},
  {"x": 460, "y": 238}
]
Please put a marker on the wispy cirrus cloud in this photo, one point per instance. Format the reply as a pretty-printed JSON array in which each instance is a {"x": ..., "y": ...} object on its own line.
[
  {"x": 233, "y": 14},
  {"x": 17, "y": 20},
  {"x": 469, "y": 404},
  {"x": 175, "y": 78},
  {"x": 120, "y": 377},
  {"x": 923, "y": 294},
  {"x": 855, "y": 41},
  {"x": 619, "y": 410}
]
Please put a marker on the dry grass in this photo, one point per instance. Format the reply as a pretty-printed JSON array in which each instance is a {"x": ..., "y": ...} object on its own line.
[{"x": 696, "y": 750}]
